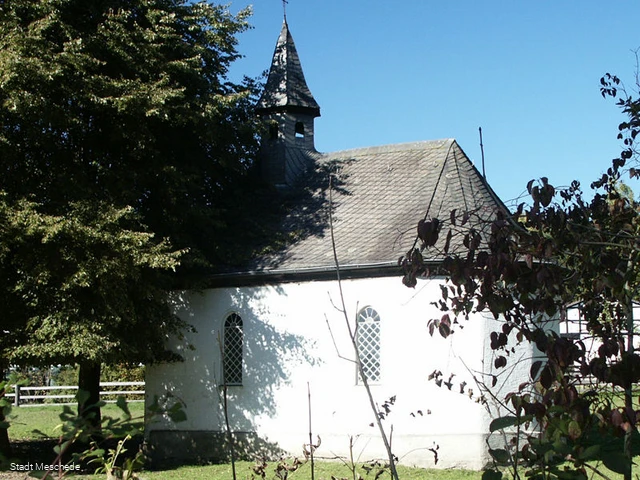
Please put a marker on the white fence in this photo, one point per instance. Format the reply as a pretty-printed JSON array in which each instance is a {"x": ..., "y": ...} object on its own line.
[{"x": 32, "y": 396}]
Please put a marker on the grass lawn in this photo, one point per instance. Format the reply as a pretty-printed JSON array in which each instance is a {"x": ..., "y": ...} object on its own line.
[
  {"x": 323, "y": 471},
  {"x": 24, "y": 420}
]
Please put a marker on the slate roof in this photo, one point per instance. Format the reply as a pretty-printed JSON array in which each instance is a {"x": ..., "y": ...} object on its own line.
[
  {"x": 286, "y": 86},
  {"x": 383, "y": 193},
  {"x": 380, "y": 193}
]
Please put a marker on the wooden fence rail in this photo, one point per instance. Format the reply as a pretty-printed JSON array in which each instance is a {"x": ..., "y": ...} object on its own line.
[{"x": 32, "y": 396}]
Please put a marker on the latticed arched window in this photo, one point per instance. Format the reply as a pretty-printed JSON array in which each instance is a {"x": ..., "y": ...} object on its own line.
[
  {"x": 232, "y": 362},
  {"x": 368, "y": 342}
]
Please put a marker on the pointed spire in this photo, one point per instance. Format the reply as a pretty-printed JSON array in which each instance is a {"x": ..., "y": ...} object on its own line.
[{"x": 286, "y": 88}]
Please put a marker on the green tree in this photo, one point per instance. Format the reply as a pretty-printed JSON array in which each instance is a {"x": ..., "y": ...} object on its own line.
[
  {"x": 118, "y": 130},
  {"x": 524, "y": 269},
  {"x": 83, "y": 288},
  {"x": 126, "y": 102}
]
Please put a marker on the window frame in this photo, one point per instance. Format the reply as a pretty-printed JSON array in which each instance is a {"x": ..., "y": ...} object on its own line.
[
  {"x": 237, "y": 349},
  {"x": 370, "y": 318}
]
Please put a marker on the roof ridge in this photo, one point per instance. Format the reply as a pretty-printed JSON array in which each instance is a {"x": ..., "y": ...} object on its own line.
[{"x": 392, "y": 147}]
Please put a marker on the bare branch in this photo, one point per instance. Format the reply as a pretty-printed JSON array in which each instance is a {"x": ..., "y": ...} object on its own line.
[{"x": 352, "y": 335}]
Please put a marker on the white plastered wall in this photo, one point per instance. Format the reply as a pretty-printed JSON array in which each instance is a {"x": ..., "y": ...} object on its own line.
[{"x": 294, "y": 337}]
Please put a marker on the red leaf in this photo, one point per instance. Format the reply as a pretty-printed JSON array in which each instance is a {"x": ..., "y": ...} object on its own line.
[
  {"x": 444, "y": 329},
  {"x": 529, "y": 185},
  {"x": 546, "y": 195},
  {"x": 535, "y": 368},
  {"x": 432, "y": 326},
  {"x": 410, "y": 280},
  {"x": 428, "y": 231},
  {"x": 500, "y": 362},
  {"x": 546, "y": 377},
  {"x": 447, "y": 243}
]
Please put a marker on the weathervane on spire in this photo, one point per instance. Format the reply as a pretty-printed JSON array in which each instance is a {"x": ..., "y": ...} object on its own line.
[{"x": 284, "y": 8}]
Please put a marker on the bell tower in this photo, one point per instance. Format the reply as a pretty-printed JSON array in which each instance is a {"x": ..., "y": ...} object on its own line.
[{"x": 289, "y": 110}]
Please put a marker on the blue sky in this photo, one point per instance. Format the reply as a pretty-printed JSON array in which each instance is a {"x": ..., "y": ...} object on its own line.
[{"x": 526, "y": 72}]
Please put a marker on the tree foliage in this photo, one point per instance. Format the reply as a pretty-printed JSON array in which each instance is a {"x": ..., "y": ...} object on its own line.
[
  {"x": 125, "y": 102},
  {"x": 558, "y": 250},
  {"x": 118, "y": 131},
  {"x": 82, "y": 286},
  {"x": 122, "y": 143}
]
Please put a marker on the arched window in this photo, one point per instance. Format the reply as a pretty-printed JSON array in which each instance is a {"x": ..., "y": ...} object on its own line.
[
  {"x": 368, "y": 342},
  {"x": 233, "y": 339}
]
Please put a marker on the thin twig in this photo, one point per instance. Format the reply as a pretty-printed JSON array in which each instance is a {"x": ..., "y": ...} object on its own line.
[
  {"x": 363, "y": 376},
  {"x": 226, "y": 412},
  {"x": 311, "y": 446},
  {"x": 433, "y": 194},
  {"x": 335, "y": 345}
]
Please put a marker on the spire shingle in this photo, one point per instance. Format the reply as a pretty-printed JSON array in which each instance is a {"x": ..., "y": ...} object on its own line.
[{"x": 286, "y": 88}]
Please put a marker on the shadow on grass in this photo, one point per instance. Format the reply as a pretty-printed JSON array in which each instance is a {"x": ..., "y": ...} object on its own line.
[
  {"x": 41, "y": 451},
  {"x": 206, "y": 448}
]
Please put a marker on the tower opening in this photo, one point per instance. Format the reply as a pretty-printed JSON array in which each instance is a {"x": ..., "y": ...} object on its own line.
[
  {"x": 289, "y": 107},
  {"x": 273, "y": 131}
]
